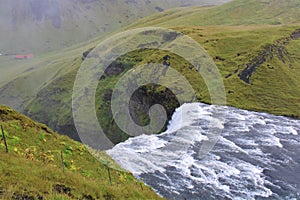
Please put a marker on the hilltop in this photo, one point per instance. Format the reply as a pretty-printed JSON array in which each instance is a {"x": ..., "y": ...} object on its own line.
[{"x": 32, "y": 169}]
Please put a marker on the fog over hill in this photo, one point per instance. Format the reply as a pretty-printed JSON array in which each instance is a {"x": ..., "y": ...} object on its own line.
[{"x": 44, "y": 25}]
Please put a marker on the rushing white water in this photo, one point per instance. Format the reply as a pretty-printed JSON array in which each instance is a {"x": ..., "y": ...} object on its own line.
[{"x": 256, "y": 157}]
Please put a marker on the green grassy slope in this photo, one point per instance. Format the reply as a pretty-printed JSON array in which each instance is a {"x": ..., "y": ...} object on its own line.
[
  {"x": 64, "y": 26},
  {"x": 56, "y": 97},
  {"x": 272, "y": 87},
  {"x": 32, "y": 169},
  {"x": 259, "y": 63},
  {"x": 238, "y": 12}
]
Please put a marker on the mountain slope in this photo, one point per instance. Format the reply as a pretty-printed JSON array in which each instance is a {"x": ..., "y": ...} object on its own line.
[
  {"x": 258, "y": 63},
  {"x": 35, "y": 26},
  {"x": 238, "y": 12},
  {"x": 64, "y": 26},
  {"x": 33, "y": 167},
  {"x": 271, "y": 84}
]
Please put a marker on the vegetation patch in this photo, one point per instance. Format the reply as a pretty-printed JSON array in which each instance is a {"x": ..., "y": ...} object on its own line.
[{"x": 32, "y": 168}]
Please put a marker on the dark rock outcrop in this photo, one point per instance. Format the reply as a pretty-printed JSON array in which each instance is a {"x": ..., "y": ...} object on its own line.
[{"x": 277, "y": 50}]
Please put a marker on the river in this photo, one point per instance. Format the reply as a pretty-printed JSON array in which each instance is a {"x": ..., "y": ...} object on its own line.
[{"x": 257, "y": 156}]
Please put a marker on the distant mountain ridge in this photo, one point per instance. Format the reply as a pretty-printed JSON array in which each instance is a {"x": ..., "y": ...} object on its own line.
[{"x": 45, "y": 25}]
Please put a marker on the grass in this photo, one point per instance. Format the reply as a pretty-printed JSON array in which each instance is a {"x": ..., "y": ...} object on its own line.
[
  {"x": 231, "y": 41},
  {"x": 33, "y": 167},
  {"x": 271, "y": 90},
  {"x": 237, "y": 12},
  {"x": 234, "y": 35},
  {"x": 274, "y": 86}
]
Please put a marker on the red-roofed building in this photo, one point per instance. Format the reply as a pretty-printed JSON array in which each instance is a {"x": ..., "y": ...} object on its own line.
[
  {"x": 20, "y": 57},
  {"x": 29, "y": 56}
]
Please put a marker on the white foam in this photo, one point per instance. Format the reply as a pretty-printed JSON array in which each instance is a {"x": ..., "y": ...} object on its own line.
[
  {"x": 238, "y": 116},
  {"x": 134, "y": 163},
  {"x": 255, "y": 152},
  {"x": 248, "y": 142},
  {"x": 271, "y": 141},
  {"x": 260, "y": 121},
  {"x": 179, "y": 120},
  {"x": 216, "y": 123},
  {"x": 231, "y": 145},
  {"x": 292, "y": 130}
]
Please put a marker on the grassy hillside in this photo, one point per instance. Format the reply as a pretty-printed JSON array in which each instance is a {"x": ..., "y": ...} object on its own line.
[
  {"x": 32, "y": 169},
  {"x": 259, "y": 63},
  {"x": 238, "y": 12},
  {"x": 35, "y": 26},
  {"x": 271, "y": 87},
  {"x": 40, "y": 27}
]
